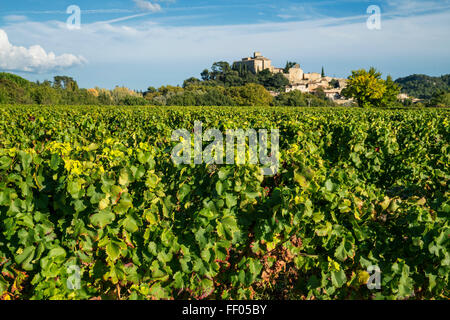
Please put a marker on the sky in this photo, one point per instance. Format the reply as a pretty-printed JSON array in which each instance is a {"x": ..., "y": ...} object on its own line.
[{"x": 140, "y": 43}]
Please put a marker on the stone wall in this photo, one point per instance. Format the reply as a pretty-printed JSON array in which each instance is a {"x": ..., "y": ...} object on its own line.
[
  {"x": 295, "y": 75},
  {"x": 312, "y": 76}
]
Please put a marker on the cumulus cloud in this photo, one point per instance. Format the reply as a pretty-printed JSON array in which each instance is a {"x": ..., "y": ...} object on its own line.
[
  {"x": 33, "y": 59},
  {"x": 147, "y": 6}
]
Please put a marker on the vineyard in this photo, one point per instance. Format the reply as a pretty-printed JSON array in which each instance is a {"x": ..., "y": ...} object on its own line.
[{"x": 92, "y": 206}]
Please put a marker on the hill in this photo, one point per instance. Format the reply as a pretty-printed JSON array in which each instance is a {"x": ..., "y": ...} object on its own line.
[{"x": 422, "y": 86}]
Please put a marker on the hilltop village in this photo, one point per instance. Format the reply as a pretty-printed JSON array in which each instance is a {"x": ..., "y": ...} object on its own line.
[{"x": 298, "y": 79}]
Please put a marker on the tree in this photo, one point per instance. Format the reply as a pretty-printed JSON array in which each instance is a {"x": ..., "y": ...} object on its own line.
[
  {"x": 104, "y": 97},
  {"x": 391, "y": 93},
  {"x": 151, "y": 89},
  {"x": 21, "y": 82},
  {"x": 205, "y": 75},
  {"x": 65, "y": 82},
  {"x": 334, "y": 83},
  {"x": 216, "y": 96},
  {"x": 289, "y": 65},
  {"x": 218, "y": 69},
  {"x": 320, "y": 93},
  {"x": 277, "y": 82},
  {"x": 133, "y": 101},
  {"x": 366, "y": 87},
  {"x": 15, "y": 89},
  {"x": 191, "y": 81},
  {"x": 440, "y": 99},
  {"x": 323, "y": 72},
  {"x": 170, "y": 90},
  {"x": 251, "y": 94},
  {"x": 222, "y": 74},
  {"x": 296, "y": 98},
  {"x": 293, "y": 98},
  {"x": 270, "y": 81},
  {"x": 44, "y": 94}
]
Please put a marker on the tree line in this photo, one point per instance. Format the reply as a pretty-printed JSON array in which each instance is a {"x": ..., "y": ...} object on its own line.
[
  {"x": 62, "y": 90},
  {"x": 225, "y": 85},
  {"x": 218, "y": 87}
]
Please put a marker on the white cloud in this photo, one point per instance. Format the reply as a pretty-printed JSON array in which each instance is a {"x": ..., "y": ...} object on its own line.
[
  {"x": 285, "y": 16},
  {"x": 15, "y": 18},
  {"x": 33, "y": 59},
  {"x": 121, "y": 19},
  {"x": 147, "y": 6}
]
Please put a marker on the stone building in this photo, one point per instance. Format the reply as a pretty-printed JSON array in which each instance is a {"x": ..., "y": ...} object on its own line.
[
  {"x": 295, "y": 74},
  {"x": 258, "y": 63},
  {"x": 298, "y": 79},
  {"x": 312, "y": 76},
  {"x": 300, "y": 86},
  {"x": 333, "y": 94}
]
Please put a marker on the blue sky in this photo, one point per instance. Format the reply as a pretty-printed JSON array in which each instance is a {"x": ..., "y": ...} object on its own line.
[{"x": 138, "y": 43}]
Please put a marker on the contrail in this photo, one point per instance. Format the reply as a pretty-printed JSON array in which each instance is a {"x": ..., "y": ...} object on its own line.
[{"x": 123, "y": 18}]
